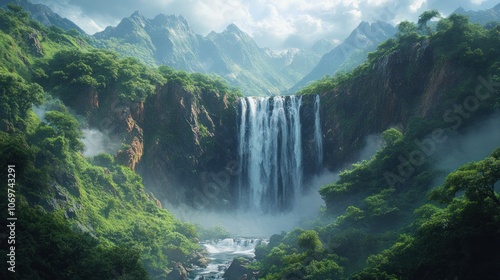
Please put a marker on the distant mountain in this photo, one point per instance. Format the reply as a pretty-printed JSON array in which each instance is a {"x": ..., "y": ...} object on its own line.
[
  {"x": 323, "y": 46},
  {"x": 232, "y": 54},
  {"x": 349, "y": 54},
  {"x": 482, "y": 17},
  {"x": 43, "y": 14}
]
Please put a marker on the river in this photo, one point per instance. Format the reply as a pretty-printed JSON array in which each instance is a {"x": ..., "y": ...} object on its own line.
[{"x": 221, "y": 253}]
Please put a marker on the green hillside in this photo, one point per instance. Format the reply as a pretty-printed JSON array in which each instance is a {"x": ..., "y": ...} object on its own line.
[
  {"x": 385, "y": 218},
  {"x": 398, "y": 215},
  {"x": 78, "y": 217}
]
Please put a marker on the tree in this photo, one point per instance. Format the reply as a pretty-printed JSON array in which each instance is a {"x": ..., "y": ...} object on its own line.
[
  {"x": 477, "y": 181},
  {"x": 17, "y": 96},
  {"x": 391, "y": 136},
  {"x": 67, "y": 126},
  {"x": 309, "y": 240},
  {"x": 406, "y": 27},
  {"x": 425, "y": 17},
  {"x": 14, "y": 8}
]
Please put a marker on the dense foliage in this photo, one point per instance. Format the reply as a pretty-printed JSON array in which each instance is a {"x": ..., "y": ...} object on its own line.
[
  {"x": 91, "y": 217},
  {"x": 81, "y": 218},
  {"x": 378, "y": 222}
]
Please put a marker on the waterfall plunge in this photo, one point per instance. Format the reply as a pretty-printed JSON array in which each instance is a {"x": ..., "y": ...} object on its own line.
[
  {"x": 318, "y": 135},
  {"x": 271, "y": 152}
]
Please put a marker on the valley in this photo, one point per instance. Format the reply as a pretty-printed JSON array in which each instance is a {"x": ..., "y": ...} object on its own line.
[{"x": 147, "y": 151}]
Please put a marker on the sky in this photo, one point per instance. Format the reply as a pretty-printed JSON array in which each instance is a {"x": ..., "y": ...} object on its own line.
[{"x": 276, "y": 24}]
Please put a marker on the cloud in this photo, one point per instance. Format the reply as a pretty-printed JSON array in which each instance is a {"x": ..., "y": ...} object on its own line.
[{"x": 275, "y": 24}]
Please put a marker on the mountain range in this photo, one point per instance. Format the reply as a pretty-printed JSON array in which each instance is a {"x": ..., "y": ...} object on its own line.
[
  {"x": 482, "y": 17},
  {"x": 231, "y": 54},
  {"x": 426, "y": 205},
  {"x": 350, "y": 53}
]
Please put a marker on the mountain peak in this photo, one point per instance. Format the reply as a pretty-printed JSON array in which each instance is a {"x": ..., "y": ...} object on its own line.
[
  {"x": 171, "y": 21},
  {"x": 43, "y": 14},
  {"x": 233, "y": 28},
  {"x": 459, "y": 10},
  {"x": 482, "y": 17},
  {"x": 137, "y": 14},
  {"x": 138, "y": 18}
]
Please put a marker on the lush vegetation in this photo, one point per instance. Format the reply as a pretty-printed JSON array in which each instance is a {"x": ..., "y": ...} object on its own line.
[
  {"x": 92, "y": 218},
  {"x": 81, "y": 218},
  {"x": 383, "y": 218}
]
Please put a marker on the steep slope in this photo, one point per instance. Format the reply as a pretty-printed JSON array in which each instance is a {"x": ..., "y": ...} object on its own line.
[
  {"x": 90, "y": 217},
  {"x": 434, "y": 101},
  {"x": 405, "y": 83},
  {"x": 44, "y": 15},
  {"x": 349, "y": 54},
  {"x": 245, "y": 61}
]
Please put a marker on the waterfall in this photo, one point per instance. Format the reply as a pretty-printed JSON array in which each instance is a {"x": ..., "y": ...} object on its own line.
[
  {"x": 271, "y": 152},
  {"x": 318, "y": 135}
]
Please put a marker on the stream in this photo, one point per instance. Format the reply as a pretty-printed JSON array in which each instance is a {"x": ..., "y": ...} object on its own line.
[{"x": 221, "y": 253}]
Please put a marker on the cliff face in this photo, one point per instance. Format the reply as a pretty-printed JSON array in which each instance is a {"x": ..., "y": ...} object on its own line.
[
  {"x": 177, "y": 139},
  {"x": 407, "y": 82},
  {"x": 183, "y": 138},
  {"x": 188, "y": 134}
]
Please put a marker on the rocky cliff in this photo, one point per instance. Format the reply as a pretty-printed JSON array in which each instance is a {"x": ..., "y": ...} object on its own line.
[
  {"x": 406, "y": 83},
  {"x": 189, "y": 134}
]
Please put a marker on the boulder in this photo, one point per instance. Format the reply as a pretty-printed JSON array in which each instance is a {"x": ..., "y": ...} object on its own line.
[
  {"x": 238, "y": 270},
  {"x": 178, "y": 273}
]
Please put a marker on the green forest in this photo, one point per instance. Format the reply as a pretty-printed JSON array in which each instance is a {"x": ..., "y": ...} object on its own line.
[
  {"x": 383, "y": 224},
  {"x": 78, "y": 217},
  {"x": 385, "y": 218}
]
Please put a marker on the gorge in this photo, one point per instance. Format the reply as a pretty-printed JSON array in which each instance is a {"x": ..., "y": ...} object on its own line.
[{"x": 247, "y": 170}]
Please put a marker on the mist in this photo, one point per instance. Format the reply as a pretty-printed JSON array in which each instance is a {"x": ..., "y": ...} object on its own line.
[
  {"x": 97, "y": 142},
  {"x": 373, "y": 143},
  {"x": 304, "y": 214},
  {"x": 472, "y": 144},
  {"x": 250, "y": 224},
  {"x": 40, "y": 112},
  {"x": 94, "y": 140}
]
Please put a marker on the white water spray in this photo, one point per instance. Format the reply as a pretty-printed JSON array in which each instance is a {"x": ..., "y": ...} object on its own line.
[{"x": 271, "y": 152}]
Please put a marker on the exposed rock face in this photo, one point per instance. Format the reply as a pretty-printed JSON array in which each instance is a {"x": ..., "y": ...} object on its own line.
[
  {"x": 178, "y": 138},
  {"x": 178, "y": 273},
  {"x": 187, "y": 134},
  {"x": 183, "y": 141},
  {"x": 38, "y": 50},
  {"x": 238, "y": 270},
  {"x": 402, "y": 83}
]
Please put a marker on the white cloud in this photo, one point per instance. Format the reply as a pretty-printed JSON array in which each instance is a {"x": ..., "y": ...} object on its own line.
[
  {"x": 276, "y": 24},
  {"x": 477, "y": 2},
  {"x": 416, "y": 5}
]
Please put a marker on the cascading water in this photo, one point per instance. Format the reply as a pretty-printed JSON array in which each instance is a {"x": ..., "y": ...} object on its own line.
[
  {"x": 280, "y": 145},
  {"x": 318, "y": 135},
  {"x": 271, "y": 152},
  {"x": 221, "y": 254}
]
